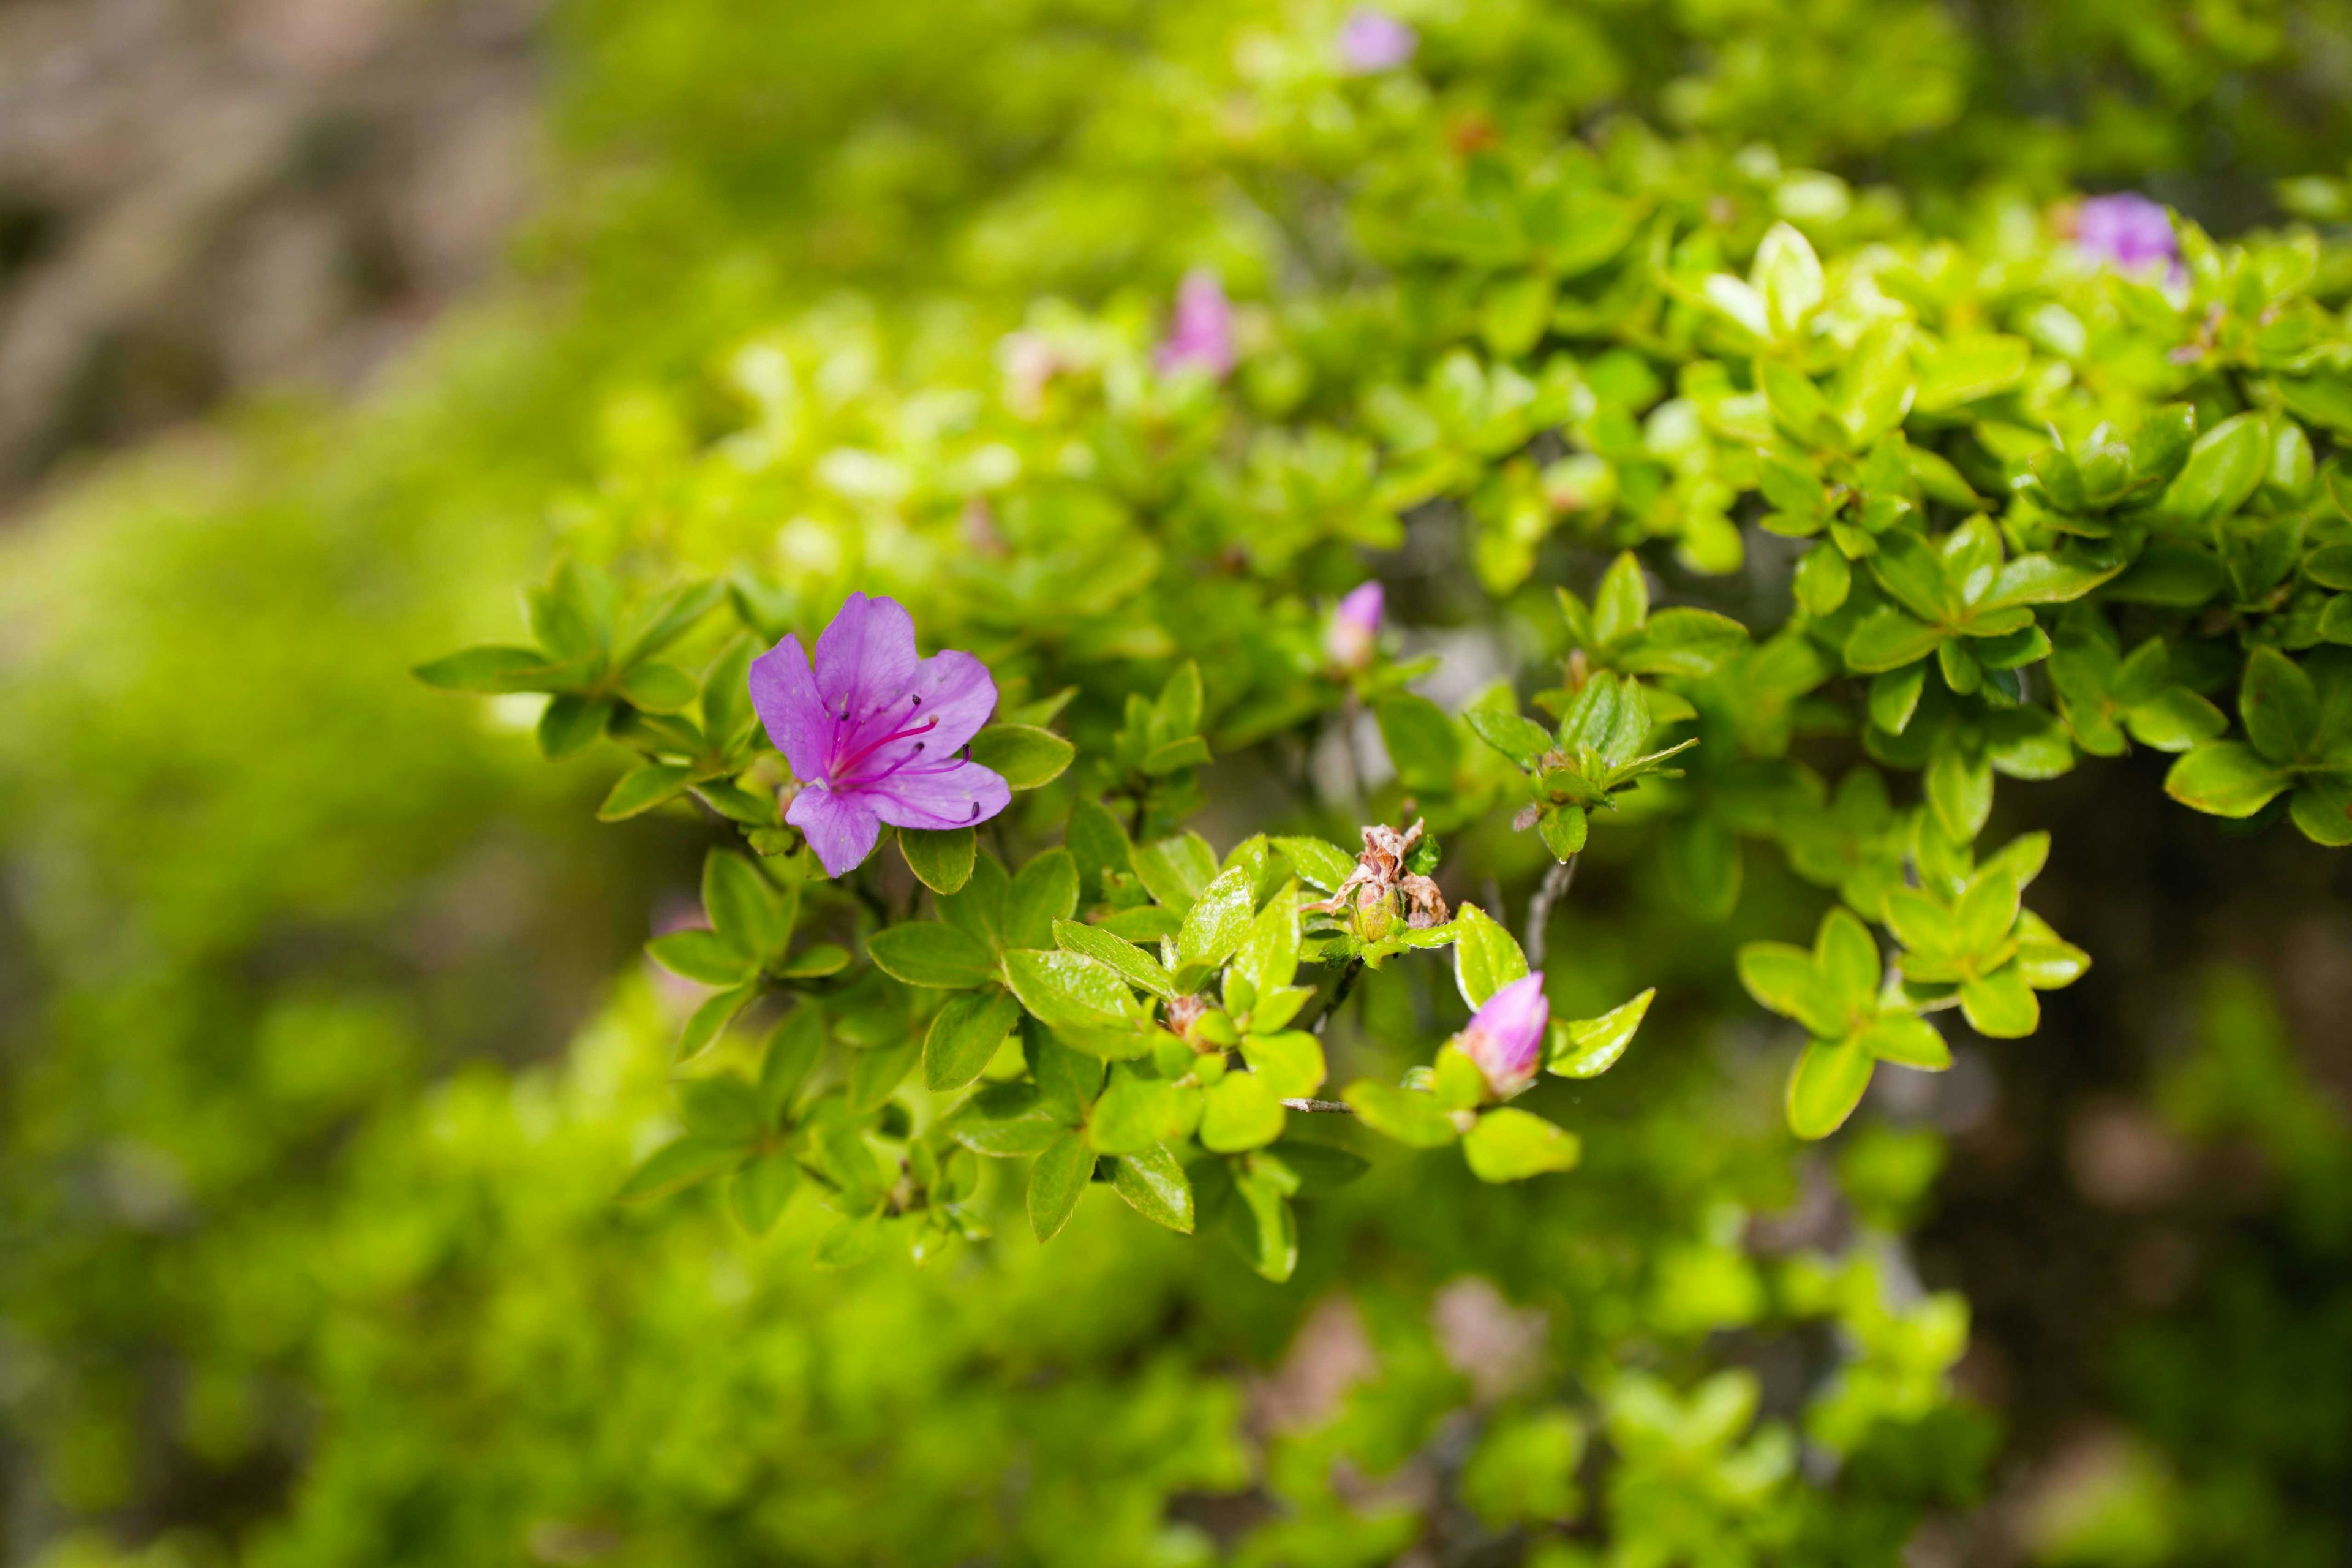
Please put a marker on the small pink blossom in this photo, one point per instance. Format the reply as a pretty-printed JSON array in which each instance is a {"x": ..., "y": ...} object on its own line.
[
  {"x": 2127, "y": 231},
  {"x": 1506, "y": 1035},
  {"x": 1355, "y": 628},
  {"x": 872, "y": 732},
  {"x": 1370, "y": 40},
  {"x": 1201, "y": 336}
]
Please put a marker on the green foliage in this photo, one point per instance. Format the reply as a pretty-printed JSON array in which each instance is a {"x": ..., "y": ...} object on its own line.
[{"x": 801, "y": 1251}]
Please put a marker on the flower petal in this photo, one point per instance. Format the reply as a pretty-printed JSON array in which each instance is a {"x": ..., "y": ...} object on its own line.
[
  {"x": 956, "y": 689},
  {"x": 1508, "y": 1029},
  {"x": 954, "y": 797},
  {"x": 785, "y": 695},
  {"x": 866, "y": 658},
  {"x": 842, "y": 829}
]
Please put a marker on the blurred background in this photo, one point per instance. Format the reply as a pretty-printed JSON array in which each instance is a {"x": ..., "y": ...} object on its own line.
[{"x": 323, "y": 1040}]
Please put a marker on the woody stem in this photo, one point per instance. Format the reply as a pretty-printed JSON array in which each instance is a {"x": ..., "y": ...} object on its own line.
[{"x": 1554, "y": 887}]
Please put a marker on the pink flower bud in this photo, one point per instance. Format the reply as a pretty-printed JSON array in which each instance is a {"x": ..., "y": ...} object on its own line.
[
  {"x": 1506, "y": 1035},
  {"x": 1371, "y": 40},
  {"x": 1355, "y": 628},
  {"x": 1202, "y": 334},
  {"x": 2126, "y": 231}
]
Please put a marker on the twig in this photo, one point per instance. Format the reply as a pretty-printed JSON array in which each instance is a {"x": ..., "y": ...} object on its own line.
[
  {"x": 1347, "y": 983},
  {"x": 1554, "y": 887},
  {"x": 1338, "y": 1106}
]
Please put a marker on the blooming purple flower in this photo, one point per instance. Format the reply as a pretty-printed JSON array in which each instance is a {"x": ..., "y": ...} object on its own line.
[
  {"x": 1371, "y": 40},
  {"x": 1202, "y": 335},
  {"x": 873, "y": 732},
  {"x": 1354, "y": 627},
  {"x": 2126, "y": 231},
  {"x": 1506, "y": 1035}
]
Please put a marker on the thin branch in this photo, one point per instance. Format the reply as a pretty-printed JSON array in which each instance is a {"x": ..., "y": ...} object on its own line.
[
  {"x": 1339, "y": 1107},
  {"x": 1554, "y": 887},
  {"x": 1347, "y": 983}
]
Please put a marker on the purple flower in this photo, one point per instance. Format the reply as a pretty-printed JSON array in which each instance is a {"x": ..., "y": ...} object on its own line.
[
  {"x": 2127, "y": 231},
  {"x": 1354, "y": 627},
  {"x": 872, "y": 732},
  {"x": 1202, "y": 335},
  {"x": 1372, "y": 40},
  {"x": 1506, "y": 1035}
]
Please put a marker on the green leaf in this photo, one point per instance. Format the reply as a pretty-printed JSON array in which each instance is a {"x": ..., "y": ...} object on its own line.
[
  {"x": 1587, "y": 1048},
  {"x": 712, "y": 1019},
  {"x": 1622, "y": 603},
  {"x": 794, "y": 1046},
  {"x": 813, "y": 963},
  {"x": 1319, "y": 1168},
  {"x": 2225, "y": 778},
  {"x": 1098, "y": 842},
  {"x": 926, "y": 953},
  {"x": 1218, "y": 920},
  {"x": 571, "y": 723},
  {"x": 1960, "y": 790},
  {"x": 1420, "y": 741},
  {"x": 1137, "y": 1113},
  {"x": 677, "y": 1165},
  {"x": 1046, "y": 891},
  {"x": 1520, "y": 739},
  {"x": 1824, "y": 580},
  {"x": 1056, "y": 1182},
  {"x": 703, "y": 956},
  {"x": 1290, "y": 1062},
  {"x": 874, "y": 1074},
  {"x": 1005, "y": 1120},
  {"x": 2223, "y": 469},
  {"x": 760, "y": 1190},
  {"x": 1895, "y": 696},
  {"x": 1562, "y": 829},
  {"x": 964, "y": 1038},
  {"x": 1241, "y": 1112},
  {"x": 1681, "y": 642},
  {"x": 1174, "y": 870},
  {"x": 1887, "y": 639},
  {"x": 1982, "y": 918},
  {"x": 2279, "y": 706},
  {"x": 744, "y": 906},
  {"x": 1319, "y": 864},
  {"x": 1789, "y": 275},
  {"x": 1787, "y": 979},
  {"x": 1913, "y": 573},
  {"x": 849, "y": 1243},
  {"x": 1908, "y": 1040},
  {"x": 1025, "y": 755},
  {"x": 2002, "y": 1005},
  {"x": 1507, "y": 1144},
  {"x": 1131, "y": 963},
  {"x": 1067, "y": 990},
  {"x": 2322, "y": 810},
  {"x": 1262, "y": 1225},
  {"x": 490, "y": 671},
  {"x": 941, "y": 859},
  {"x": 655, "y": 624},
  {"x": 641, "y": 789},
  {"x": 1155, "y": 1187},
  {"x": 659, "y": 687},
  {"x": 1825, "y": 1086},
  {"x": 1176, "y": 713},
  {"x": 1485, "y": 957},
  {"x": 722, "y": 1108},
  {"x": 1268, "y": 955},
  {"x": 1407, "y": 1115}
]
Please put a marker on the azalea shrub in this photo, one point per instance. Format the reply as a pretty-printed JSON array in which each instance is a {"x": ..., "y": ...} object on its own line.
[
  {"x": 1988, "y": 515},
  {"x": 1342, "y": 740}
]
